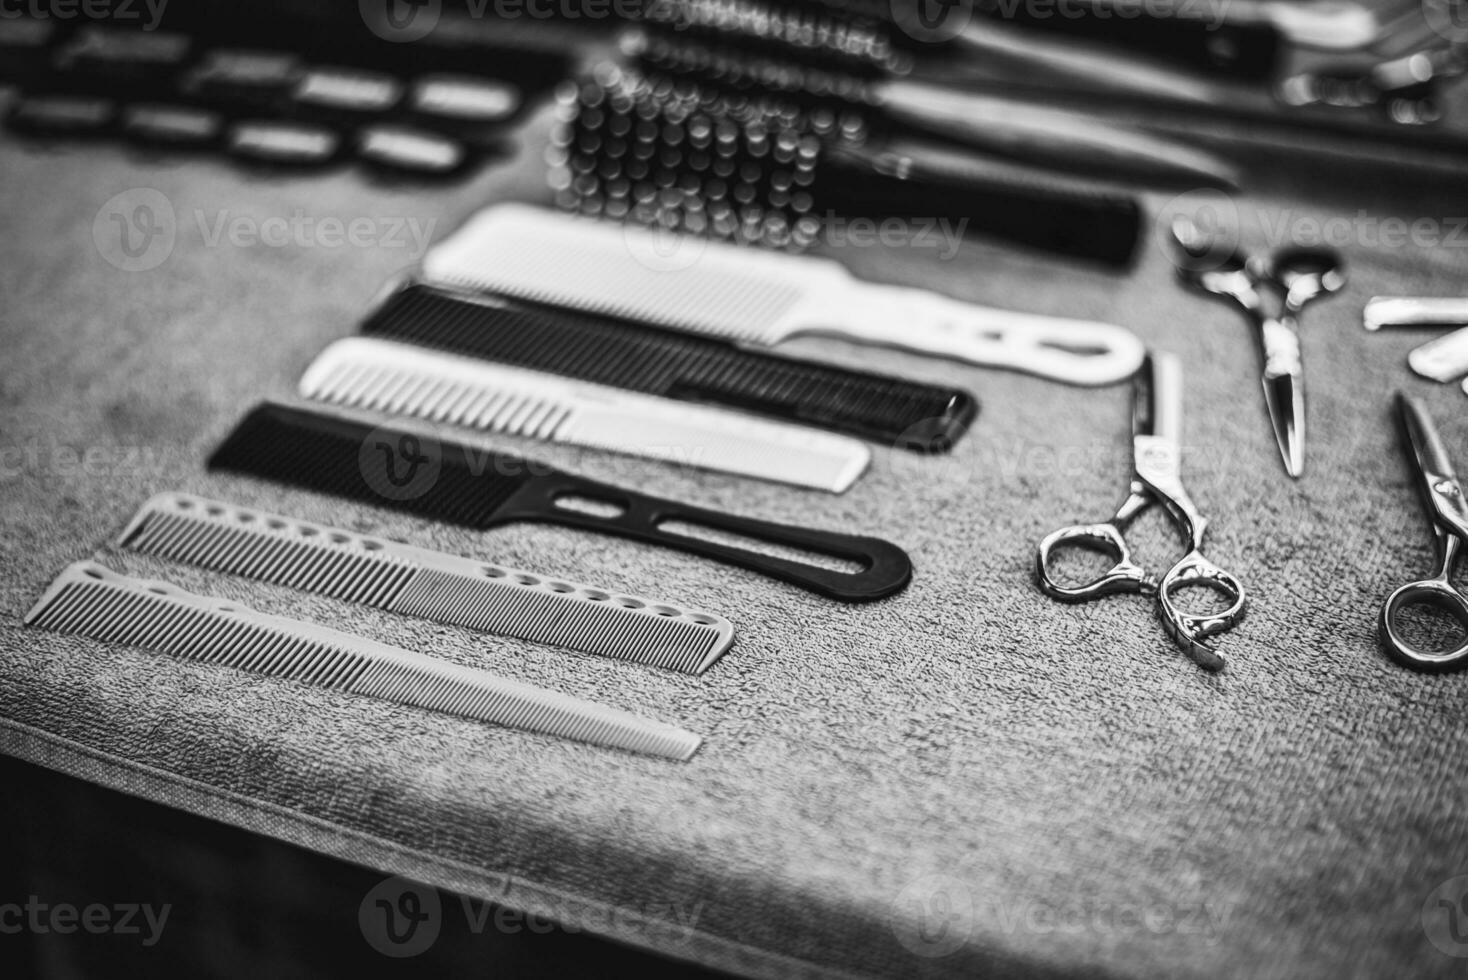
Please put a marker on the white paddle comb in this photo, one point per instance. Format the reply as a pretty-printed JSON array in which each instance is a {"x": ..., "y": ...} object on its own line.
[{"x": 758, "y": 297}]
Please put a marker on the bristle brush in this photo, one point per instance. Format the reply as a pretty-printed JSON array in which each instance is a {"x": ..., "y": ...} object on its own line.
[
  {"x": 746, "y": 46},
  {"x": 628, "y": 149}
]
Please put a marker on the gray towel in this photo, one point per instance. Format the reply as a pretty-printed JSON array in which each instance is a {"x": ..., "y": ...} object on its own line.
[{"x": 967, "y": 779}]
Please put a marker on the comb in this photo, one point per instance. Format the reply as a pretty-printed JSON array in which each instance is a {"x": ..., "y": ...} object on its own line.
[
  {"x": 362, "y": 372},
  {"x": 672, "y": 364},
  {"x": 758, "y": 297},
  {"x": 448, "y": 481},
  {"x": 90, "y": 600},
  {"x": 428, "y": 584}
]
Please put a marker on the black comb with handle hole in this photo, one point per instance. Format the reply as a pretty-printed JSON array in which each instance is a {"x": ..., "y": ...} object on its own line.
[
  {"x": 406, "y": 470},
  {"x": 671, "y": 364}
]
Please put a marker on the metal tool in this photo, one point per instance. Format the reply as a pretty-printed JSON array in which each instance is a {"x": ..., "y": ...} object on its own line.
[
  {"x": 90, "y": 600},
  {"x": 759, "y": 297},
  {"x": 1298, "y": 275},
  {"x": 1442, "y": 494},
  {"x": 400, "y": 578},
  {"x": 1157, "y": 412}
]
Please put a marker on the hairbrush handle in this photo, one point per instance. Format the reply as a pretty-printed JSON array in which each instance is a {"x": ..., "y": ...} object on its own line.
[
  {"x": 1022, "y": 203},
  {"x": 561, "y": 498},
  {"x": 1078, "y": 352},
  {"x": 1040, "y": 133}
]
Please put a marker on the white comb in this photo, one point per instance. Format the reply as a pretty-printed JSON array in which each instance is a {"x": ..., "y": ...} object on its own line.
[
  {"x": 758, "y": 297},
  {"x": 428, "y": 584},
  {"x": 1442, "y": 359},
  {"x": 89, "y": 600},
  {"x": 363, "y": 372}
]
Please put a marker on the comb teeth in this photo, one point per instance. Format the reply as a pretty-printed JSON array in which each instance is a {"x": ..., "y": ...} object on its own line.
[
  {"x": 674, "y": 365},
  {"x": 426, "y": 584},
  {"x": 91, "y": 601},
  {"x": 379, "y": 375}
]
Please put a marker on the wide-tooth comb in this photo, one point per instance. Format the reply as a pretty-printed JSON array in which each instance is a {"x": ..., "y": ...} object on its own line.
[
  {"x": 410, "y": 470},
  {"x": 380, "y": 375},
  {"x": 758, "y": 297},
  {"x": 678, "y": 159},
  {"x": 673, "y": 364},
  {"x": 90, "y": 600},
  {"x": 429, "y": 584}
]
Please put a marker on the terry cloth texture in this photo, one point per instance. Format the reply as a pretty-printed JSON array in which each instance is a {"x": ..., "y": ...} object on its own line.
[{"x": 965, "y": 780}]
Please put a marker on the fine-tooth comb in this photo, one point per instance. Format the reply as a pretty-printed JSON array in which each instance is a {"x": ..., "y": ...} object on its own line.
[
  {"x": 429, "y": 584},
  {"x": 673, "y": 364},
  {"x": 362, "y": 372},
  {"x": 407, "y": 470},
  {"x": 90, "y": 600},
  {"x": 759, "y": 297}
]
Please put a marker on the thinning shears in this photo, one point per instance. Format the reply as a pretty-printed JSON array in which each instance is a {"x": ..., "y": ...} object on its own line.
[
  {"x": 1442, "y": 494},
  {"x": 1157, "y": 395}
]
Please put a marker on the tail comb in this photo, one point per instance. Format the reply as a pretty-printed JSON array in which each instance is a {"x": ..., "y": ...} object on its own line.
[
  {"x": 89, "y": 600},
  {"x": 428, "y": 584}
]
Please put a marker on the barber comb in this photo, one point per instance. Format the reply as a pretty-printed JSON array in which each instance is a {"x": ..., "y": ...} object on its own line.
[
  {"x": 92, "y": 601},
  {"x": 757, "y": 297},
  {"x": 379, "y": 375},
  {"x": 411, "y": 581},
  {"x": 671, "y": 364},
  {"x": 404, "y": 469},
  {"x": 673, "y": 157}
]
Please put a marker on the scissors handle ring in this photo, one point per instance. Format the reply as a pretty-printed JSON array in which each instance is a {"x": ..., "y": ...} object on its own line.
[
  {"x": 1429, "y": 592},
  {"x": 1189, "y": 630},
  {"x": 1124, "y": 576}
]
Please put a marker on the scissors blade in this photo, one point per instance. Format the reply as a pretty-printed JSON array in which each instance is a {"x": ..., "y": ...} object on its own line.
[
  {"x": 1284, "y": 396},
  {"x": 1436, "y": 478},
  {"x": 1157, "y": 398}
]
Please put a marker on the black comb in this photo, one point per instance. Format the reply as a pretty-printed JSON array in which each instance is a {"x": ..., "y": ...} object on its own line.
[
  {"x": 670, "y": 364},
  {"x": 448, "y": 481}
]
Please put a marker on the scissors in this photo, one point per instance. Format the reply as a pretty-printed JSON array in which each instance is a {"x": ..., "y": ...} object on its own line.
[
  {"x": 1443, "y": 496},
  {"x": 1157, "y": 408},
  {"x": 1298, "y": 275}
]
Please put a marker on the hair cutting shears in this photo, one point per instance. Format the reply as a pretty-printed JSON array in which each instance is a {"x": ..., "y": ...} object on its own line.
[
  {"x": 1442, "y": 494},
  {"x": 1156, "y": 429}
]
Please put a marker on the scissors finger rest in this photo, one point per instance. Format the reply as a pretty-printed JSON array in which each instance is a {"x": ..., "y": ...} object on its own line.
[
  {"x": 1124, "y": 576},
  {"x": 1435, "y": 593},
  {"x": 1188, "y": 629}
]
